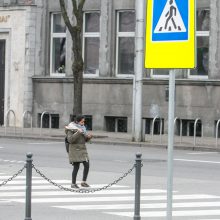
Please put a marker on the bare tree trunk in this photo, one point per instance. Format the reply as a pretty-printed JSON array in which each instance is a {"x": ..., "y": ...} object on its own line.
[
  {"x": 77, "y": 65},
  {"x": 77, "y": 69}
]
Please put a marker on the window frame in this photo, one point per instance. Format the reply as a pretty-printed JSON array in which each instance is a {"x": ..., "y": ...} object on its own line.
[
  {"x": 189, "y": 76},
  {"x": 90, "y": 35},
  {"x": 156, "y": 76},
  {"x": 118, "y": 35},
  {"x": 52, "y": 37},
  {"x": 198, "y": 34}
]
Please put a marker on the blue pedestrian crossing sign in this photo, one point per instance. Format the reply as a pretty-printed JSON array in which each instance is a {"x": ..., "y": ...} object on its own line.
[
  {"x": 170, "y": 21},
  {"x": 170, "y": 28}
]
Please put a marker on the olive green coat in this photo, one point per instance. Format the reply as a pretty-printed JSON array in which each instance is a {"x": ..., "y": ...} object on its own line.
[{"x": 77, "y": 146}]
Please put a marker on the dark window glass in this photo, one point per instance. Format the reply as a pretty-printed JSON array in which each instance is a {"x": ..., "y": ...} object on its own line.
[
  {"x": 58, "y": 24},
  {"x": 202, "y": 56},
  {"x": 116, "y": 124},
  {"x": 59, "y": 54},
  {"x": 126, "y": 55},
  {"x": 110, "y": 124},
  {"x": 46, "y": 120},
  {"x": 126, "y": 21},
  {"x": 92, "y": 22},
  {"x": 188, "y": 128},
  {"x": 162, "y": 72},
  {"x": 91, "y": 55},
  {"x": 202, "y": 20},
  {"x": 122, "y": 125}
]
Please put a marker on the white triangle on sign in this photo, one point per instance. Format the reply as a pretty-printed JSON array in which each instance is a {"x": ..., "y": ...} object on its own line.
[{"x": 170, "y": 20}]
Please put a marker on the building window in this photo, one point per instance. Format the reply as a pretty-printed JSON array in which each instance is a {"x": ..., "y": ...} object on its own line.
[
  {"x": 58, "y": 45},
  {"x": 202, "y": 45},
  {"x": 158, "y": 126},
  {"x": 218, "y": 131},
  {"x": 188, "y": 128},
  {"x": 202, "y": 38},
  {"x": 51, "y": 120},
  {"x": 160, "y": 73},
  {"x": 91, "y": 43},
  {"x": 125, "y": 44},
  {"x": 116, "y": 124}
]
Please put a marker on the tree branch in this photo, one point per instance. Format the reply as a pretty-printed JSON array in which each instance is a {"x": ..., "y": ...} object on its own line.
[
  {"x": 65, "y": 16},
  {"x": 81, "y": 4},
  {"x": 75, "y": 9}
]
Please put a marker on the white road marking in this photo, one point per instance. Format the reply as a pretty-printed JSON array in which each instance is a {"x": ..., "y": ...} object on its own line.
[
  {"x": 121, "y": 161},
  {"x": 202, "y": 153},
  {"x": 118, "y": 198},
  {"x": 50, "y": 187},
  {"x": 198, "y": 161},
  {"x": 143, "y": 206},
  {"x": 4, "y": 201},
  {"x": 12, "y": 161},
  {"x": 17, "y": 177},
  {"x": 46, "y": 143},
  {"x": 40, "y": 181},
  {"x": 175, "y": 213},
  {"x": 65, "y": 193}
]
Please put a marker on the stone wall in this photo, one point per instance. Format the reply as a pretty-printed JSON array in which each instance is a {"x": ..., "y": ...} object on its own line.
[{"x": 113, "y": 97}]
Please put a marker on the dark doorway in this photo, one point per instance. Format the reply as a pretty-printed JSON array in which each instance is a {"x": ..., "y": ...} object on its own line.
[{"x": 2, "y": 80}]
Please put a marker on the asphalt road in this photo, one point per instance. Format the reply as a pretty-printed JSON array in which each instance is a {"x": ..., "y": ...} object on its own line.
[{"x": 196, "y": 183}]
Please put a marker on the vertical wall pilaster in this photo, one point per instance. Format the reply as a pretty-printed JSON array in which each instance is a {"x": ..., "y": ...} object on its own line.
[
  {"x": 105, "y": 39},
  {"x": 214, "y": 40}
]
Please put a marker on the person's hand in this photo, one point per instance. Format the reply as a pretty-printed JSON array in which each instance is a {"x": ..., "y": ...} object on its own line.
[
  {"x": 80, "y": 130},
  {"x": 89, "y": 136}
]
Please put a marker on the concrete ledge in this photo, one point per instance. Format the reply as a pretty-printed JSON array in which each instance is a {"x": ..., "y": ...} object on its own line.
[{"x": 105, "y": 140}]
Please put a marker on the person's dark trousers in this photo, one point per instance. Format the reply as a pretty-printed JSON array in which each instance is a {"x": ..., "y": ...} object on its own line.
[{"x": 76, "y": 169}]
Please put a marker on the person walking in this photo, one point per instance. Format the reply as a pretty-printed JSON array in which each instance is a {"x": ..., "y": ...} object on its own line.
[
  {"x": 170, "y": 14},
  {"x": 77, "y": 136}
]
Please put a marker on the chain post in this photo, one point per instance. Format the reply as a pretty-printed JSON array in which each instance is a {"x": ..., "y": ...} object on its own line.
[
  {"x": 28, "y": 186},
  {"x": 137, "y": 186}
]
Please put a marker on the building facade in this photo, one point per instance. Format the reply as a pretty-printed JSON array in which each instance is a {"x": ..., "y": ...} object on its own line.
[{"x": 36, "y": 58}]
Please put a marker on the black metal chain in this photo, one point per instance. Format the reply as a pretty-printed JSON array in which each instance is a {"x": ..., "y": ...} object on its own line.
[
  {"x": 11, "y": 178},
  {"x": 84, "y": 190}
]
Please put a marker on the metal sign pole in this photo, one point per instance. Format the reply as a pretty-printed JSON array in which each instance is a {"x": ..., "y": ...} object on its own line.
[
  {"x": 170, "y": 143},
  {"x": 139, "y": 69}
]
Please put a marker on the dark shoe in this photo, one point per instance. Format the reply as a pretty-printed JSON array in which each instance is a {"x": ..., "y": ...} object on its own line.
[
  {"x": 75, "y": 186},
  {"x": 85, "y": 184}
]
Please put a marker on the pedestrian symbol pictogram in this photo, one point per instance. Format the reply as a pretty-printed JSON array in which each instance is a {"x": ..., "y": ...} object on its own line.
[
  {"x": 170, "y": 20},
  {"x": 170, "y": 34}
]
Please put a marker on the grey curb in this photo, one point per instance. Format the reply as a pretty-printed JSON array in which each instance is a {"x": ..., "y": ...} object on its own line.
[{"x": 103, "y": 140}]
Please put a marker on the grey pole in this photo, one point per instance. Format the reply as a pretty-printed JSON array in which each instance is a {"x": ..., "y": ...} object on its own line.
[
  {"x": 139, "y": 69},
  {"x": 28, "y": 186},
  {"x": 170, "y": 143},
  {"x": 137, "y": 187},
  {"x": 133, "y": 110}
]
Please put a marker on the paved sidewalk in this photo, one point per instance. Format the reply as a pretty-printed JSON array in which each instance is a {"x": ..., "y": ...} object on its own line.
[{"x": 115, "y": 138}]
